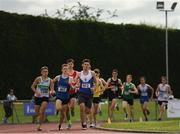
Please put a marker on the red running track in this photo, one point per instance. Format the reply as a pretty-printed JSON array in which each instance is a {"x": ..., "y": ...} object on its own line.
[{"x": 51, "y": 128}]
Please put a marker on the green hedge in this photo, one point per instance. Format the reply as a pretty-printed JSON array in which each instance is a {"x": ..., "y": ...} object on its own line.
[{"x": 28, "y": 42}]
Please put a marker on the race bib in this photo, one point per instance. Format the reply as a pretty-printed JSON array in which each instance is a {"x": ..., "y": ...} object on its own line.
[
  {"x": 44, "y": 91},
  {"x": 62, "y": 89},
  {"x": 126, "y": 93},
  {"x": 144, "y": 94},
  {"x": 86, "y": 85}
]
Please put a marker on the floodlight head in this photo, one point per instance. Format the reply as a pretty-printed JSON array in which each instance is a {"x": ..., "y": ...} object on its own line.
[
  {"x": 173, "y": 5},
  {"x": 160, "y": 5}
]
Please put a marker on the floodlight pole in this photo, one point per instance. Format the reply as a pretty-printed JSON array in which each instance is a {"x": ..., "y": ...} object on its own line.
[
  {"x": 166, "y": 37},
  {"x": 167, "y": 52}
]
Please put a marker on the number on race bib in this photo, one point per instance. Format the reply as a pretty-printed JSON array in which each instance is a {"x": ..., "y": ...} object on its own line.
[
  {"x": 62, "y": 89},
  {"x": 86, "y": 85}
]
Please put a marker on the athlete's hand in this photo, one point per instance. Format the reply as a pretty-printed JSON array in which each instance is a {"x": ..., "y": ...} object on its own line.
[
  {"x": 52, "y": 92},
  {"x": 37, "y": 93}
]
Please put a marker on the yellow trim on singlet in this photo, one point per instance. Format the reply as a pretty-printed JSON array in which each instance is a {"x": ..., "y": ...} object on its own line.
[{"x": 97, "y": 91}]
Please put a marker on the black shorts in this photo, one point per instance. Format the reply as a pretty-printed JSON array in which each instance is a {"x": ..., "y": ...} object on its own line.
[
  {"x": 96, "y": 100},
  {"x": 40, "y": 100},
  {"x": 73, "y": 95},
  {"x": 112, "y": 96},
  {"x": 86, "y": 99},
  {"x": 64, "y": 102},
  {"x": 129, "y": 101},
  {"x": 161, "y": 102}
]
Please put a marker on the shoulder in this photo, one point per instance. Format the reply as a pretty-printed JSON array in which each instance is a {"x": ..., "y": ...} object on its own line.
[
  {"x": 133, "y": 85},
  {"x": 168, "y": 85},
  {"x": 38, "y": 79},
  {"x": 119, "y": 80},
  {"x": 148, "y": 85},
  {"x": 109, "y": 80}
]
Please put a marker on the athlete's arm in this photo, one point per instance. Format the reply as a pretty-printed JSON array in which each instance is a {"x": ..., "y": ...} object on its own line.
[
  {"x": 108, "y": 84},
  {"x": 134, "y": 91},
  {"x": 120, "y": 84},
  {"x": 138, "y": 88},
  {"x": 103, "y": 83},
  {"x": 33, "y": 86},
  {"x": 94, "y": 77},
  {"x": 169, "y": 90},
  {"x": 77, "y": 81},
  {"x": 122, "y": 88},
  {"x": 157, "y": 91},
  {"x": 152, "y": 91},
  {"x": 55, "y": 79},
  {"x": 52, "y": 87}
]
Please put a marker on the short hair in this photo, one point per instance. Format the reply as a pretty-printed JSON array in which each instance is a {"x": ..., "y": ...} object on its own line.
[
  {"x": 129, "y": 75},
  {"x": 97, "y": 71},
  {"x": 115, "y": 70},
  {"x": 63, "y": 65},
  {"x": 70, "y": 60},
  {"x": 86, "y": 60},
  {"x": 164, "y": 77},
  {"x": 44, "y": 67},
  {"x": 143, "y": 77}
]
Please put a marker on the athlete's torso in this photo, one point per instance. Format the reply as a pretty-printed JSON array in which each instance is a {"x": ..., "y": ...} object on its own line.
[
  {"x": 86, "y": 83},
  {"x": 43, "y": 87}
]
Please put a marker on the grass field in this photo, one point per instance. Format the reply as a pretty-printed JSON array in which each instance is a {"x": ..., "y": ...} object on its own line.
[
  {"x": 163, "y": 126},
  {"x": 118, "y": 115}
]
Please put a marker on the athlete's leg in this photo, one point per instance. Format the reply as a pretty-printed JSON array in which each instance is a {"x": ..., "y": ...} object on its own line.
[
  {"x": 82, "y": 113},
  {"x": 42, "y": 113},
  {"x": 95, "y": 110},
  {"x": 161, "y": 110},
  {"x": 124, "y": 106},
  {"x": 145, "y": 110},
  {"x": 58, "y": 105},
  {"x": 37, "y": 107},
  {"x": 72, "y": 104},
  {"x": 62, "y": 115},
  {"x": 131, "y": 112},
  {"x": 113, "y": 103}
]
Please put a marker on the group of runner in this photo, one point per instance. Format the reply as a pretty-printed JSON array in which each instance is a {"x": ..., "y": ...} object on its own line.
[{"x": 87, "y": 87}]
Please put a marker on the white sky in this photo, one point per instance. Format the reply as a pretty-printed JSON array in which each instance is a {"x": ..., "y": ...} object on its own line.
[{"x": 129, "y": 11}]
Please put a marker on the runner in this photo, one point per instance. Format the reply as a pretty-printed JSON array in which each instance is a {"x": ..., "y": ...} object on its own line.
[
  {"x": 144, "y": 98},
  {"x": 40, "y": 87},
  {"x": 86, "y": 81},
  {"x": 73, "y": 91},
  {"x": 163, "y": 92},
  {"x": 114, "y": 85},
  {"x": 96, "y": 96},
  {"x": 102, "y": 95},
  {"x": 62, "y": 95},
  {"x": 128, "y": 90}
]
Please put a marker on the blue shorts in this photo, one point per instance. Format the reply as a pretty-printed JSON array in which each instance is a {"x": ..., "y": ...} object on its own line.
[{"x": 144, "y": 99}]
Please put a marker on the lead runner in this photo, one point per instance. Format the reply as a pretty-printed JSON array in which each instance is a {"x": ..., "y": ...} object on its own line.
[
  {"x": 87, "y": 81},
  {"x": 40, "y": 87}
]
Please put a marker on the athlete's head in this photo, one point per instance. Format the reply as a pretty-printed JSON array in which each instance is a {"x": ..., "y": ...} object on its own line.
[
  {"x": 142, "y": 80},
  {"x": 64, "y": 68},
  {"x": 97, "y": 72},
  {"x": 164, "y": 79},
  {"x": 44, "y": 71},
  {"x": 70, "y": 63},
  {"x": 114, "y": 73},
  {"x": 129, "y": 78},
  {"x": 86, "y": 64},
  {"x": 11, "y": 92}
]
